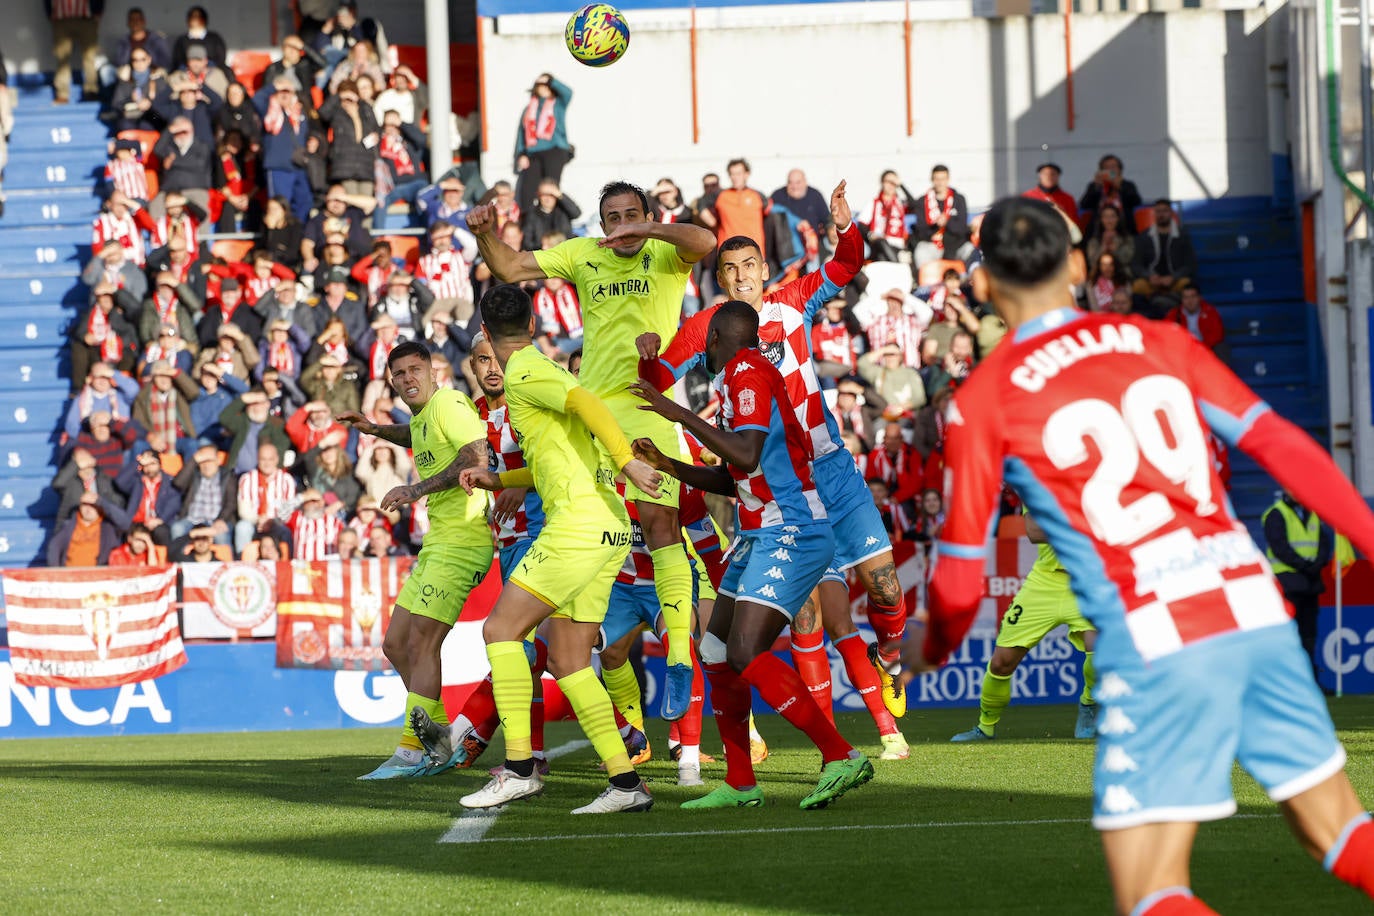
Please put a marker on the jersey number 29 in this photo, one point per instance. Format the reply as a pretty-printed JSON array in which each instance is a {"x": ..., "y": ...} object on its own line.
[{"x": 1157, "y": 420}]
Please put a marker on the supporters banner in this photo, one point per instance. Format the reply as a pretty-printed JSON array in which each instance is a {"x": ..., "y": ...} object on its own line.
[
  {"x": 92, "y": 627},
  {"x": 333, "y": 615},
  {"x": 228, "y": 600}
]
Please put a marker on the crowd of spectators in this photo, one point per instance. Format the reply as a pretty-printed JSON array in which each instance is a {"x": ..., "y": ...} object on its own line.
[{"x": 205, "y": 382}]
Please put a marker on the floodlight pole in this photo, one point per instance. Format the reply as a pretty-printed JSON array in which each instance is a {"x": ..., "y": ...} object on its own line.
[{"x": 440, "y": 91}]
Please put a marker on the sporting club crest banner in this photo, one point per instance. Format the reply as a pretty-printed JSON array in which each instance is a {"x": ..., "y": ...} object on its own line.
[
  {"x": 228, "y": 600},
  {"x": 333, "y": 615},
  {"x": 102, "y": 627}
]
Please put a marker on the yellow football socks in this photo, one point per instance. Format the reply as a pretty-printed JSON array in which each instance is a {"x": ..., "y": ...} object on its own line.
[
  {"x": 513, "y": 691},
  {"x": 1089, "y": 680},
  {"x": 996, "y": 696},
  {"x": 673, "y": 583},
  {"x": 593, "y": 708},
  {"x": 623, "y": 687}
]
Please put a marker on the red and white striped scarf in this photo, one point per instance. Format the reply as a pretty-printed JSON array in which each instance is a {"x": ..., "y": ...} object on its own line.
[
  {"x": 111, "y": 346},
  {"x": 147, "y": 506},
  {"x": 282, "y": 357},
  {"x": 934, "y": 209},
  {"x": 882, "y": 466},
  {"x": 163, "y": 409},
  {"x": 394, "y": 151},
  {"x": 125, "y": 231},
  {"x": 889, "y": 218},
  {"x": 166, "y": 309},
  {"x": 71, "y": 9},
  {"x": 338, "y": 350},
  {"x": 376, "y": 280},
  {"x": 560, "y": 313},
  {"x": 186, "y": 227},
  {"x": 538, "y": 122},
  {"x": 277, "y": 116},
  {"x": 256, "y": 287},
  {"x": 377, "y": 358},
  {"x": 233, "y": 175}
]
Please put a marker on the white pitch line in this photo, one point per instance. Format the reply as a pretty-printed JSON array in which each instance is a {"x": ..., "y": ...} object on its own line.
[
  {"x": 817, "y": 829},
  {"x": 472, "y": 826}
]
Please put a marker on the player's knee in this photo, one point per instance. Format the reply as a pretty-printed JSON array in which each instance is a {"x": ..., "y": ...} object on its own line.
[
  {"x": 739, "y": 655},
  {"x": 711, "y": 651},
  {"x": 1003, "y": 665}
]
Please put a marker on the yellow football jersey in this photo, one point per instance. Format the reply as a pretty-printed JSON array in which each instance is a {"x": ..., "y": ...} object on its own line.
[
  {"x": 447, "y": 422},
  {"x": 621, "y": 298},
  {"x": 571, "y": 472}
]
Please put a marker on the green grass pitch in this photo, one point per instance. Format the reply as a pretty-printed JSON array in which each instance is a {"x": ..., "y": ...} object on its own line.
[{"x": 278, "y": 823}]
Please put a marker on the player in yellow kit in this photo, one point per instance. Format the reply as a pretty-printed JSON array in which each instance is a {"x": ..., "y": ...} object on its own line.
[
  {"x": 567, "y": 573},
  {"x": 1044, "y": 602},
  {"x": 629, "y": 282},
  {"x": 446, "y": 435}
]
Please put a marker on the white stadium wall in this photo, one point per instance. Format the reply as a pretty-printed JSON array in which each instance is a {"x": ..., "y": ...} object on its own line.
[{"x": 1180, "y": 96}]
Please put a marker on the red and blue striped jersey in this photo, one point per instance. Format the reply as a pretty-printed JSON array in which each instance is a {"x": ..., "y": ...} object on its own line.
[
  {"x": 781, "y": 490},
  {"x": 504, "y": 455}
]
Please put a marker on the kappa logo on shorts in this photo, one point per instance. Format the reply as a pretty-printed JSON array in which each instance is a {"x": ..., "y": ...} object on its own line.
[
  {"x": 791, "y": 529},
  {"x": 775, "y": 573},
  {"x": 788, "y": 539},
  {"x": 1116, "y": 723},
  {"x": 767, "y": 592},
  {"x": 781, "y": 554},
  {"x": 1119, "y": 800},
  {"x": 1116, "y": 760},
  {"x": 870, "y": 541},
  {"x": 1113, "y": 687}
]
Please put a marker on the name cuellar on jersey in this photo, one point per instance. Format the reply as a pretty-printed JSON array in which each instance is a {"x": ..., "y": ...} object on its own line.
[{"x": 1101, "y": 423}]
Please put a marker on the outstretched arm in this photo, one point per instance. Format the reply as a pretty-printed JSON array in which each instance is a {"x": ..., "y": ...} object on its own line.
[
  {"x": 472, "y": 455},
  {"x": 395, "y": 433},
  {"x": 505, "y": 263},
  {"x": 692, "y": 242},
  {"x": 711, "y": 480},
  {"x": 742, "y": 449}
]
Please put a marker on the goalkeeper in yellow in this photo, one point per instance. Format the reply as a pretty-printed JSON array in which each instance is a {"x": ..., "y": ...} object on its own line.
[
  {"x": 1043, "y": 603},
  {"x": 568, "y": 571},
  {"x": 629, "y": 282},
  {"x": 446, "y": 436}
]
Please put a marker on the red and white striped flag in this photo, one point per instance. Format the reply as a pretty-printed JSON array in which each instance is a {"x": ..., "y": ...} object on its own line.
[{"x": 92, "y": 627}]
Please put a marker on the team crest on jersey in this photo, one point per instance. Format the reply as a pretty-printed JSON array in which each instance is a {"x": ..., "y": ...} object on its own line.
[
  {"x": 772, "y": 350},
  {"x": 746, "y": 400},
  {"x": 645, "y": 261}
]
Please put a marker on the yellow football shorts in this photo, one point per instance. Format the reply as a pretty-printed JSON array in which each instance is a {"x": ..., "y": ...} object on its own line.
[
  {"x": 645, "y": 424},
  {"x": 441, "y": 580},
  {"x": 573, "y": 563},
  {"x": 1044, "y": 602}
]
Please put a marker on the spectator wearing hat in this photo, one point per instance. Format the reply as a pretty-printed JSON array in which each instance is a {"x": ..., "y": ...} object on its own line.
[
  {"x": 377, "y": 344},
  {"x": 228, "y": 308},
  {"x": 163, "y": 406},
  {"x": 170, "y": 347},
  {"x": 178, "y": 234},
  {"x": 336, "y": 300},
  {"x": 324, "y": 382},
  {"x": 102, "y": 333},
  {"x": 300, "y": 62},
  {"x": 286, "y": 127},
  {"x": 112, "y": 265},
  {"x": 108, "y": 440},
  {"x": 897, "y": 383},
  {"x": 1047, "y": 189},
  {"x": 448, "y": 204},
  {"x": 283, "y": 349},
  {"x": 309, "y": 425},
  {"x": 202, "y": 72},
  {"x": 218, "y": 389},
  {"x": 314, "y": 528},
  {"x": 551, "y": 211},
  {"x": 232, "y": 353},
  {"x": 446, "y": 272},
  {"x": 941, "y": 229},
  {"x": 266, "y": 494},
  {"x": 207, "y": 498},
  {"x": 198, "y": 33},
  {"x": 75, "y": 24},
  {"x": 353, "y": 147},
  {"x": 106, "y": 390},
  {"x": 170, "y": 302},
  {"x": 84, "y": 539},
  {"x": 328, "y": 469},
  {"x": 337, "y": 216},
  {"x": 79, "y": 476},
  {"x": 284, "y": 302},
  {"x": 405, "y": 301},
  {"x": 200, "y": 546},
  {"x": 154, "y": 500},
  {"x": 250, "y": 423}
]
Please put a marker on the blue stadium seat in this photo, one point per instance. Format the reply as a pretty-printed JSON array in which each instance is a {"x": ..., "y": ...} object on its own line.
[
  {"x": 48, "y": 207},
  {"x": 33, "y": 326},
  {"x": 41, "y": 366},
  {"x": 29, "y": 411},
  {"x": 27, "y": 497},
  {"x": 23, "y": 542}
]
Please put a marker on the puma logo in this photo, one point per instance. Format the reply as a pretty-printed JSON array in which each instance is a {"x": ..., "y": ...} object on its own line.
[{"x": 592, "y": 266}]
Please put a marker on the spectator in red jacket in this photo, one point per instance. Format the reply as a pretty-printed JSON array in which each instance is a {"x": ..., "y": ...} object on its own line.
[
  {"x": 898, "y": 464},
  {"x": 1047, "y": 189},
  {"x": 1201, "y": 319}
]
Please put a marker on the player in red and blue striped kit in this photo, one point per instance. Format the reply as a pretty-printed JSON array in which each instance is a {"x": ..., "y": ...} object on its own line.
[
  {"x": 861, "y": 542},
  {"x": 1100, "y": 422},
  {"x": 784, "y": 547}
]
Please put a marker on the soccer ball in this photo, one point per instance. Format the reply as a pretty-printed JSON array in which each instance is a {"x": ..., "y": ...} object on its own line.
[{"x": 597, "y": 35}]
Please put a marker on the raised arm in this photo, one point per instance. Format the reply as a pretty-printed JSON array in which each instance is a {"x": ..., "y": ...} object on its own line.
[
  {"x": 395, "y": 433},
  {"x": 712, "y": 480},
  {"x": 505, "y": 263},
  {"x": 741, "y": 449},
  {"x": 692, "y": 242}
]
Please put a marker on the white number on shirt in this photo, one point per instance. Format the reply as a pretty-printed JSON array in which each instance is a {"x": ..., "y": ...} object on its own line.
[{"x": 1157, "y": 419}]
